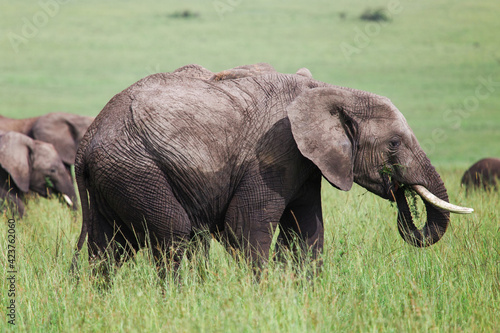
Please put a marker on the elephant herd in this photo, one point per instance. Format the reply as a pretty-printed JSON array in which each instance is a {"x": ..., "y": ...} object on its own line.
[
  {"x": 36, "y": 155},
  {"x": 234, "y": 154}
]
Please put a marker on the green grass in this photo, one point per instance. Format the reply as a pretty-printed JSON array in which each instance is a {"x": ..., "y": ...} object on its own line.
[
  {"x": 371, "y": 279},
  {"x": 429, "y": 59}
]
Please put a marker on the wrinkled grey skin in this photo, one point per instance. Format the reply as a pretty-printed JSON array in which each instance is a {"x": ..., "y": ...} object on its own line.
[
  {"x": 194, "y": 71},
  {"x": 197, "y": 71},
  {"x": 31, "y": 165},
  {"x": 484, "y": 174},
  {"x": 244, "y": 71},
  {"x": 63, "y": 130},
  {"x": 172, "y": 155}
]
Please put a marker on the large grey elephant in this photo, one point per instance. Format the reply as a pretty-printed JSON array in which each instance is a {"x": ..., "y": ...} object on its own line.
[
  {"x": 484, "y": 174},
  {"x": 172, "y": 155},
  {"x": 63, "y": 130},
  {"x": 31, "y": 165}
]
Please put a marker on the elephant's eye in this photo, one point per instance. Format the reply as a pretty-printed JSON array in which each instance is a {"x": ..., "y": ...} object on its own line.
[
  {"x": 394, "y": 143},
  {"x": 53, "y": 170}
]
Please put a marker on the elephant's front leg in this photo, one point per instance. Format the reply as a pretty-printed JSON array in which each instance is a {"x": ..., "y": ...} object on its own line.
[
  {"x": 12, "y": 199},
  {"x": 303, "y": 219},
  {"x": 251, "y": 218}
]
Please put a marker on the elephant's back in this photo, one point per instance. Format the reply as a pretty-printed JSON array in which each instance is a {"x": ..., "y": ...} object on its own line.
[
  {"x": 484, "y": 171},
  {"x": 17, "y": 125},
  {"x": 195, "y": 124}
]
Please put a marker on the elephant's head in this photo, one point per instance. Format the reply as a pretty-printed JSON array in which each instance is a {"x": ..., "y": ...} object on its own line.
[
  {"x": 35, "y": 165},
  {"x": 63, "y": 130},
  {"x": 355, "y": 136}
]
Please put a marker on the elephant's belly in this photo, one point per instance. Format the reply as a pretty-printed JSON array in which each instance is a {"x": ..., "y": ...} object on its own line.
[{"x": 204, "y": 195}]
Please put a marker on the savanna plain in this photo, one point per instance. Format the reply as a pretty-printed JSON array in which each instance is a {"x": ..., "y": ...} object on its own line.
[{"x": 438, "y": 61}]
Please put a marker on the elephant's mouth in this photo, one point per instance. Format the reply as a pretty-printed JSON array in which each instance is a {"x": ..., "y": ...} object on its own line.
[
  {"x": 50, "y": 192},
  {"x": 437, "y": 207}
]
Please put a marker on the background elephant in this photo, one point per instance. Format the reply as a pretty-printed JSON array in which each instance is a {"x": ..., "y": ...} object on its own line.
[
  {"x": 483, "y": 174},
  {"x": 27, "y": 164},
  {"x": 63, "y": 130},
  {"x": 172, "y": 155}
]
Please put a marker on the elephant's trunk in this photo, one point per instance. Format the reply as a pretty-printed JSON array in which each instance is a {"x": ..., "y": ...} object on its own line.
[
  {"x": 67, "y": 191},
  {"x": 438, "y": 213}
]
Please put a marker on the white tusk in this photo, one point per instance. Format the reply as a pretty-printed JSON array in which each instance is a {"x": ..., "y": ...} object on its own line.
[
  {"x": 435, "y": 201},
  {"x": 68, "y": 200}
]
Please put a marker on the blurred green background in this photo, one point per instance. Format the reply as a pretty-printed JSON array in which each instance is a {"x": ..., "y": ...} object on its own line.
[{"x": 438, "y": 61}]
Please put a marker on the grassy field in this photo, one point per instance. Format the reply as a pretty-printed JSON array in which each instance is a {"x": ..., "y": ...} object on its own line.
[
  {"x": 438, "y": 61},
  {"x": 371, "y": 279}
]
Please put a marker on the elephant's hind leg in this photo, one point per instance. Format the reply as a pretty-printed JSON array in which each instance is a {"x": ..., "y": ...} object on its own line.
[
  {"x": 155, "y": 213},
  {"x": 169, "y": 234},
  {"x": 110, "y": 242}
]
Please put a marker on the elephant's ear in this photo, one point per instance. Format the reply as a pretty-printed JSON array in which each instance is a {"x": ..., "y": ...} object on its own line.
[
  {"x": 324, "y": 132},
  {"x": 64, "y": 131},
  {"x": 15, "y": 151}
]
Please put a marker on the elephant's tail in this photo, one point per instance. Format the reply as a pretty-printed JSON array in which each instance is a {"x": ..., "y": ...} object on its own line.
[{"x": 82, "y": 180}]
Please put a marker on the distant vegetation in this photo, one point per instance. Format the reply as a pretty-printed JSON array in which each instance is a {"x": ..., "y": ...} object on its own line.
[
  {"x": 185, "y": 14},
  {"x": 377, "y": 15}
]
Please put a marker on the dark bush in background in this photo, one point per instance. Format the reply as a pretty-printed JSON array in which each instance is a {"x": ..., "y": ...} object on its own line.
[{"x": 377, "y": 15}]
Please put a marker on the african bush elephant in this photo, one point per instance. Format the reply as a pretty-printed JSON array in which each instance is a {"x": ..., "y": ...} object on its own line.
[
  {"x": 483, "y": 174},
  {"x": 27, "y": 164},
  {"x": 171, "y": 155},
  {"x": 63, "y": 130}
]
